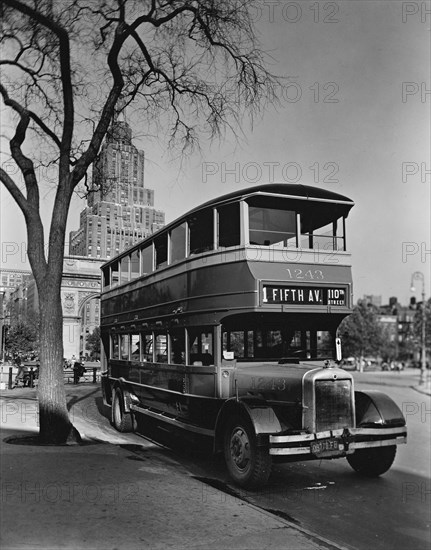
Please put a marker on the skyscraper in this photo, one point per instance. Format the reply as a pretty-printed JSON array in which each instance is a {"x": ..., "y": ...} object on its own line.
[{"x": 121, "y": 211}]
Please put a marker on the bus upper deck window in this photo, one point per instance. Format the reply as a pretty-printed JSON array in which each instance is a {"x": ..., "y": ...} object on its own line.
[
  {"x": 105, "y": 278},
  {"x": 161, "y": 250},
  {"x": 228, "y": 225},
  {"x": 147, "y": 259},
  {"x": 324, "y": 238},
  {"x": 201, "y": 231},
  {"x": 178, "y": 243},
  {"x": 322, "y": 234},
  {"x": 270, "y": 226},
  {"x": 115, "y": 274},
  {"x": 134, "y": 264},
  {"x": 125, "y": 265}
]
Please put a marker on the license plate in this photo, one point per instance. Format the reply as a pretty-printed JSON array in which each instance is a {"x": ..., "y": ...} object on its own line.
[{"x": 327, "y": 447}]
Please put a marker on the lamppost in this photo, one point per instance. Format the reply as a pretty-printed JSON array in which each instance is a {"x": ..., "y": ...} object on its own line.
[{"x": 418, "y": 275}]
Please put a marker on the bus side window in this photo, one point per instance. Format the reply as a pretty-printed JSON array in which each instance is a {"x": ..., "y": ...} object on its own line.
[
  {"x": 125, "y": 345},
  {"x": 178, "y": 347},
  {"x": 161, "y": 345},
  {"x": 135, "y": 347},
  {"x": 147, "y": 347},
  {"x": 233, "y": 340},
  {"x": 201, "y": 347},
  {"x": 114, "y": 347}
]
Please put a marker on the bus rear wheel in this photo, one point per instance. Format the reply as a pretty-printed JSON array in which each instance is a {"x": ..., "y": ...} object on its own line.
[
  {"x": 248, "y": 465},
  {"x": 372, "y": 462},
  {"x": 121, "y": 420}
]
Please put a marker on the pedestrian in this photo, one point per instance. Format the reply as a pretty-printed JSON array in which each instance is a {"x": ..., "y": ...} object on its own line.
[
  {"x": 82, "y": 369},
  {"x": 21, "y": 370},
  {"x": 77, "y": 370}
]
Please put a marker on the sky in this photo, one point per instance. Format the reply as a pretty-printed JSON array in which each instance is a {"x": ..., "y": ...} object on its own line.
[{"x": 355, "y": 120}]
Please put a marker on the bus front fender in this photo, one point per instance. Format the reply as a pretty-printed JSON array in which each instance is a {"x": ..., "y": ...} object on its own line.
[
  {"x": 262, "y": 417},
  {"x": 376, "y": 408}
]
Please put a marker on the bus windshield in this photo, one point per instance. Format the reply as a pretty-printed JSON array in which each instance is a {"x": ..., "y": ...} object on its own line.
[{"x": 276, "y": 343}]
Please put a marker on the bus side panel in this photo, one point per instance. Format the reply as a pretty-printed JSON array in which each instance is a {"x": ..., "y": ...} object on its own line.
[{"x": 187, "y": 393}]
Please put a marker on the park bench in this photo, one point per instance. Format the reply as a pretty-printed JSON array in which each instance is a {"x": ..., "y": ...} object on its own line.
[{"x": 91, "y": 374}]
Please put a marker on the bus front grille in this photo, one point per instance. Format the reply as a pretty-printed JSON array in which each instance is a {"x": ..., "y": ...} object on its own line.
[{"x": 333, "y": 401}]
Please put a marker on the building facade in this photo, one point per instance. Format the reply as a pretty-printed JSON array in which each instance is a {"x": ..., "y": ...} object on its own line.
[
  {"x": 397, "y": 321},
  {"x": 13, "y": 299},
  {"x": 11, "y": 279},
  {"x": 120, "y": 211}
]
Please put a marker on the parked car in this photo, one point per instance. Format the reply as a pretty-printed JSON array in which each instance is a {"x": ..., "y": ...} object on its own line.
[{"x": 349, "y": 363}]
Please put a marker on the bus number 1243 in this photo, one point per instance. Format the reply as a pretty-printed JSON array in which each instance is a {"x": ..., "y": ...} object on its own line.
[{"x": 311, "y": 275}]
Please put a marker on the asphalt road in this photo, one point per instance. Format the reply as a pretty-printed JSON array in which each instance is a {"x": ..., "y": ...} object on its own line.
[{"x": 325, "y": 497}]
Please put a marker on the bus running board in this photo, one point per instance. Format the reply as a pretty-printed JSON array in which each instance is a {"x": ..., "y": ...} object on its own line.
[{"x": 174, "y": 421}]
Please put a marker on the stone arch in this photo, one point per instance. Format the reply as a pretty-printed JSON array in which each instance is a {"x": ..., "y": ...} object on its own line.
[{"x": 84, "y": 298}]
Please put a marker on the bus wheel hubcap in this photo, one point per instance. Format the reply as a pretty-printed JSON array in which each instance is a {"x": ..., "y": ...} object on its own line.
[{"x": 240, "y": 448}]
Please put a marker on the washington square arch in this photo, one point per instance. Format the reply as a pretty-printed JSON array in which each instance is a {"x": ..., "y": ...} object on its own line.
[{"x": 80, "y": 291}]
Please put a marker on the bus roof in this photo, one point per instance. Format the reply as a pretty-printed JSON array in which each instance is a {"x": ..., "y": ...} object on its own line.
[
  {"x": 285, "y": 190},
  {"x": 296, "y": 192}
]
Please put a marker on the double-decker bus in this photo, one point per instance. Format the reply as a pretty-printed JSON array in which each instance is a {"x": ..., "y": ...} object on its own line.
[{"x": 223, "y": 325}]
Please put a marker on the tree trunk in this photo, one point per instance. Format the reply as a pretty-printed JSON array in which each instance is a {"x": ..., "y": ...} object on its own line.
[{"x": 55, "y": 425}]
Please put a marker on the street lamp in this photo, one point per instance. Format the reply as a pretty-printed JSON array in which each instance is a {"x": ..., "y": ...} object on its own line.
[{"x": 418, "y": 275}]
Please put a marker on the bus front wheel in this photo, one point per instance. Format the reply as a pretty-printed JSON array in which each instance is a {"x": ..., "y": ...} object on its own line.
[
  {"x": 248, "y": 465},
  {"x": 122, "y": 420},
  {"x": 372, "y": 462}
]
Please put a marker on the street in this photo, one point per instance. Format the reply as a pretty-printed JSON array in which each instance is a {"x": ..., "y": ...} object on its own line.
[{"x": 325, "y": 497}]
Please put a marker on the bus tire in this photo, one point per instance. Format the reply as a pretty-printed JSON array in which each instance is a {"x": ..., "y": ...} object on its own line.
[
  {"x": 121, "y": 420},
  {"x": 372, "y": 462},
  {"x": 248, "y": 465}
]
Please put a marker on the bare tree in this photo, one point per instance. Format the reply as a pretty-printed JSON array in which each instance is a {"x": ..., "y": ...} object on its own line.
[{"x": 191, "y": 67}]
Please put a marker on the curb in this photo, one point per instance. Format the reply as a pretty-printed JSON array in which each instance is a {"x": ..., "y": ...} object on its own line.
[
  {"x": 422, "y": 390},
  {"x": 313, "y": 536}
]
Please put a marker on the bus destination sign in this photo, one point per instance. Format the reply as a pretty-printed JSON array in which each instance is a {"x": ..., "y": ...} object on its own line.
[{"x": 303, "y": 295}]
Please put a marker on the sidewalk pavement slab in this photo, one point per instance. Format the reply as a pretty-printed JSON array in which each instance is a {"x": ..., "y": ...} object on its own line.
[{"x": 101, "y": 496}]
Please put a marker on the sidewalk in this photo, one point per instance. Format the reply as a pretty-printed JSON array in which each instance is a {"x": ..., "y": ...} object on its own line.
[{"x": 101, "y": 495}]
